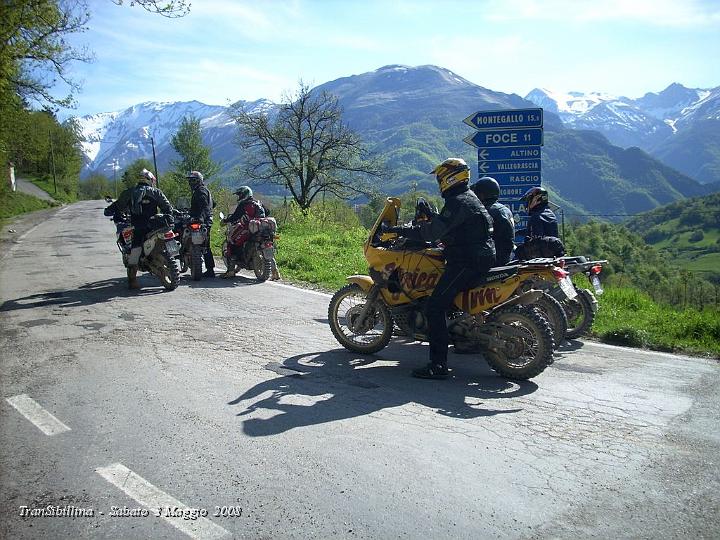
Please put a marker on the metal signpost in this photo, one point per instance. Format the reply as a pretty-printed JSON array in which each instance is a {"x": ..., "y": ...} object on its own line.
[{"x": 509, "y": 149}]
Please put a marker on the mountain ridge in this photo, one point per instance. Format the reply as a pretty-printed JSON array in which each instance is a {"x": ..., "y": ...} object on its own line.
[{"x": 413, "y": 117}]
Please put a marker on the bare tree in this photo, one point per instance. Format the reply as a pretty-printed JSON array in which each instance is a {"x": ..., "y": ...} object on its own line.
[
  {"x": 171, "y": 9},
  {"x": 305, "y": 147}
]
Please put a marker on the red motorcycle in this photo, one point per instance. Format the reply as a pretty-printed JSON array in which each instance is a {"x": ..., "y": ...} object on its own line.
[{"x": 256, "y": 253}]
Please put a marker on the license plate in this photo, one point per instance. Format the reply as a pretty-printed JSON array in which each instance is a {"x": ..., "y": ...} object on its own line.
[
  {"x": 596, "y": 285},
  {"x": 172, "y": 248},
  {"x": 568, "y": 288}
]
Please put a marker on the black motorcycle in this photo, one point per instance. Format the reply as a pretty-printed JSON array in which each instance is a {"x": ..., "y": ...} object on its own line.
[{"x": 193, "y": 237}]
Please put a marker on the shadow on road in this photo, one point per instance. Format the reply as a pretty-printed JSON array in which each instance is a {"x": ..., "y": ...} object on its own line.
[
  {"x": 217, "y": 282},
  {"x": 357, "y": 388},
  {"x": 89, "y": 294}
]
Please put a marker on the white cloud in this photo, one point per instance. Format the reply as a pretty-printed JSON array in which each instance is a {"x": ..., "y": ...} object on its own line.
[{"x": 676, "y": 13}]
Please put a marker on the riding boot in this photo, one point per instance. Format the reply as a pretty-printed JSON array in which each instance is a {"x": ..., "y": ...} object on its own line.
[
  {"x": 132, "y": 277},
  {"x": 275, "y": 275}
]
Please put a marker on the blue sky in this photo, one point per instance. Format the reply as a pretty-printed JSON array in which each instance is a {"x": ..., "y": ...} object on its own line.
[{"x": 226, "y": 50}]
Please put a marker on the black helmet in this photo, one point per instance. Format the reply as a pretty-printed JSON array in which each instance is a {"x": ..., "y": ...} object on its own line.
[
  {"x": 534, "y": 197},
  {"x": 243, "y": 193},
  {"x": 195, "y": 179},
  {"x": 486, "y": 188}
]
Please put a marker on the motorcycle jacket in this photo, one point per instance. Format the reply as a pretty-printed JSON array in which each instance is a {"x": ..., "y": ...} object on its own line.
[
  {"x": 541, "y": 222},
  {"x": 245, "y": 211},
  {"x": 503, "y": 230},
  {"x": 141, "y": 202},
  {"x": 201, "y": 205},
  {"x": 463, "y": 226}
]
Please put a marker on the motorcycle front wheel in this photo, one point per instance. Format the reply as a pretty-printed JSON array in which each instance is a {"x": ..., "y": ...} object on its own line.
[
  {"x": 261, "y": 266},
  {"x": 344, "y": 311},
  {"x": 170, "y": 273},
  {"x": 528, "y": 342}
]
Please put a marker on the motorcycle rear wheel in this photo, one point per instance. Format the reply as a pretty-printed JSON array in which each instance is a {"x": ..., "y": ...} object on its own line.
[
  {"x": 555, "y": 315},
  {"x": 196, "y": 264},
  {"x": 528, "y": 345},
  {"x": 261, "y": 266},
  {"x": 580, "y": 313},
  {"x": 343, "y": 312},
  {"x": 170, "y": 275}
]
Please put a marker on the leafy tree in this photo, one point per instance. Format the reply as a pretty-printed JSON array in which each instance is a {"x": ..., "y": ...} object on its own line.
[
  {"x": 34, "y": 55},
  {"x": 96, "y": 187},
  {"x": 305, "y": 148},
  {"x": 131, "y": 174},
  {"x": 195, "y": 156}
]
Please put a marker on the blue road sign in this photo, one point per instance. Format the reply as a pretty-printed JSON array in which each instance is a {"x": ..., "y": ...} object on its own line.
[
  {"x": 506, "y": 138},
  {"x": 511, "y": 166},
  {"x": 514, "y": 192},
  {"x": 507, "y": 119},
  {"x": 516, "y": 206},
  {"x": 502, "y": 154},
  {"x": 513, "y": 179}
]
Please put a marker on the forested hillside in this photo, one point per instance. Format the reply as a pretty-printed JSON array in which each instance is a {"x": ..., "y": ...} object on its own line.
[{"x": 687, "y": 232}]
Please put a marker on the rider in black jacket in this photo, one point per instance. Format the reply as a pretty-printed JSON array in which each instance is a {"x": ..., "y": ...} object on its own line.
[
  {"x": 541, "y": 234},
  {"x": 141, "y": 202},
  {"x": 465, "y": 228},
  {"x": 488, "y": 191},
  {"x": 201, "y": 207},
  {"x": 541, "y": 221}
]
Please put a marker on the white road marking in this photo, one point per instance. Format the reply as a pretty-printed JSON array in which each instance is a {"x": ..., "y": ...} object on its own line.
[
  {"x": 32, "y": 410},
  {"x": 156, "y": 500},
  {"x": 308, "y": 291},
  {"x": 646, "y": 351}
]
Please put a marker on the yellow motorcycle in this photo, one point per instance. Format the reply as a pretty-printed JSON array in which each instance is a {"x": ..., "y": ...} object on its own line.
[{"x": 496, "y": 316}]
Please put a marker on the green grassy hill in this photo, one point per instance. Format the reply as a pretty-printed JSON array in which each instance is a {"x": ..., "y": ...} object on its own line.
[{"x": 688, "y": 232}]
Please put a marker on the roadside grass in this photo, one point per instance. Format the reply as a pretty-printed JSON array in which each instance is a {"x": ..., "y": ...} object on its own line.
[
  {"x": 64, "y": 193},
  {"x": 13, "y": 203},
  {"x": 314, "y": 253},
  {"x": 630, "y": 317}
]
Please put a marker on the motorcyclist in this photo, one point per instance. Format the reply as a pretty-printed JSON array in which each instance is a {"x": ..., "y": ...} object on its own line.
[
  {"x": 465, "y": 229},
  {"x": 541, "y": 234},
  {"x": 488, "y": 191},
  {"x": 141, "y": 202},
  {"x": 247, "y": 208},
  {"x": 201, "y": 207},
  {"x": 541, "y": 219}
]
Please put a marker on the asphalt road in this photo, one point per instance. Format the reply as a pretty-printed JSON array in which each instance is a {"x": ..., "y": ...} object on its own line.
[
  {"x": 31, "y": 189},
  {"x": 234, "y": 398}
]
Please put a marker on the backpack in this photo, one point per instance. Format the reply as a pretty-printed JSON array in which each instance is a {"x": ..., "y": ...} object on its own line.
[
  {"x": 265, "y": 208},
  {"x": 136, "y": 197},
  {"x": 540, "y": 247}
]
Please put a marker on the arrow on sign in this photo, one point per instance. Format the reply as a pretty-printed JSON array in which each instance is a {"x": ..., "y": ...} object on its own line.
[{"x": 483, "y": 167}]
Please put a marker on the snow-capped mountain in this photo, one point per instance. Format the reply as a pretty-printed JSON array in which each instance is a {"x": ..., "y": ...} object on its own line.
[
  {"x": 412, "y": 116},
  {"x": 124, "y": 136},
  {"x": 643, "y": 122}
]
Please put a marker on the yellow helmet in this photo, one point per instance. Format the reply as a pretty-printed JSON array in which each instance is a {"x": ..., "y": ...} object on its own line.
[{"x": 451, "y": 172}]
